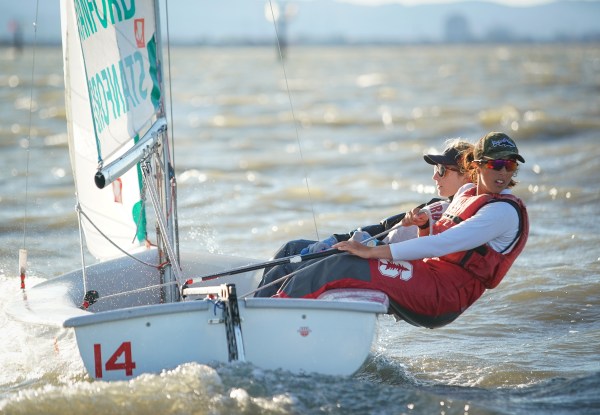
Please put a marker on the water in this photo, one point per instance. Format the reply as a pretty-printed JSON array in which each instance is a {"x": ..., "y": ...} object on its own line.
[{"x": 365, "y": 116}]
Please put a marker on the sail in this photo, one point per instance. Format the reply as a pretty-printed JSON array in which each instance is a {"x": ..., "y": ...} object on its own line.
[{"x": 112, "y": 97}]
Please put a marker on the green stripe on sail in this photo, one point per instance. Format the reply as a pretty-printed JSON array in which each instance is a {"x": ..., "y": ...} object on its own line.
[
  {"x": 138, "y": 211},
  {"x": 139, "y": 217},
  {"x": 152, "y": 58}
]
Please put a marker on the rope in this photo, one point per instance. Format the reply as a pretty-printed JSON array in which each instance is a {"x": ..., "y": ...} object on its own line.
[
  {"x": 429, "y": 219},
  {"x": 82, "y": 213},
  {"x": 173, "y": 199},
  {"x": 137, "y": 290},
  {"x": 172, "y": 155},
  {"x": 312, "y": 207},
  {"x": 23, "y": 250},
  {"x": 153, "y": 192}
]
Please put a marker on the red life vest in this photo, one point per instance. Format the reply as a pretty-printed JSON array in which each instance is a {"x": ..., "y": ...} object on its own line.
[{"x": 484, "y": 263}]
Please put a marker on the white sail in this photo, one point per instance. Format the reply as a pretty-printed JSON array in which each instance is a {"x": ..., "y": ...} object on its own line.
[{"x": 112, "y": 98}]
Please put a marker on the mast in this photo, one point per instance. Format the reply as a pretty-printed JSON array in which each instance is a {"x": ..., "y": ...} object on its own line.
[{"x": 168, "y": 190}]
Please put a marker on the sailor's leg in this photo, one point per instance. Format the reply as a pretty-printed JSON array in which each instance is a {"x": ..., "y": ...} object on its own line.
[
  {"x": 273, "y": 273},
  {"x": 339, "y": 271}
]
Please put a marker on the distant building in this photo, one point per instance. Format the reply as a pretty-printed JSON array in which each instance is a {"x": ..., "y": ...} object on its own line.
[
  {"x": 457, "y": 29},
  {"x": 14, "y": 28},
  {"x": 500, "y": 34}
]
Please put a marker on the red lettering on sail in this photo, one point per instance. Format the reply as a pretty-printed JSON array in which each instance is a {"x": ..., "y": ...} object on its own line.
[
  {"x": 304, "y": 331},
  {"x": 117, "y": 187},
  {"x": 140, "y": 37}
]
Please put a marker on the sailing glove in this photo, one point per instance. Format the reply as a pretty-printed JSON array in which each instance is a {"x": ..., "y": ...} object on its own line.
[
  {"x": 319, "y": 246},
  {"x": 361, "y": 236}
]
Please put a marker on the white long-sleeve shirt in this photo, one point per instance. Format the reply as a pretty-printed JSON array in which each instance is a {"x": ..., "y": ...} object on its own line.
[{"x": 495, "y": 223}]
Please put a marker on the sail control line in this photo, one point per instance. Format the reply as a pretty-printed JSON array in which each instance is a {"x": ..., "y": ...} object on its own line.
[{"x": 23, "y": 250}]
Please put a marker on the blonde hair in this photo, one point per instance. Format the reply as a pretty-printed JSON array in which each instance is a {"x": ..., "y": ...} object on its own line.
[{"x": 463, "y": 147}]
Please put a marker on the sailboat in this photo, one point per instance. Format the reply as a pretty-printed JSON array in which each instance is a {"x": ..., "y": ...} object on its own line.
[{"x": 141, "y": 308}]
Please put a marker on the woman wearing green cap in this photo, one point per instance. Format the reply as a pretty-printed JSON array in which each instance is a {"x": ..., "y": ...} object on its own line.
[{"x": 431, "y": 280}]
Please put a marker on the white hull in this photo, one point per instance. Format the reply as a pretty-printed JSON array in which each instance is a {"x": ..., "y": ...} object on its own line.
[{"x": 123, "y": 336}]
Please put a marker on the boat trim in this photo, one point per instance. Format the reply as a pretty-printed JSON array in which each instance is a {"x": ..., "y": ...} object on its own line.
[{"x": 189, "y": 306}]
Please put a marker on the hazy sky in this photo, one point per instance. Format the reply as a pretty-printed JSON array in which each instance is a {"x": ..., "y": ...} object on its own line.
[
  {"x": 416, "y": 2},
  {"x": 24, "y": 11}
]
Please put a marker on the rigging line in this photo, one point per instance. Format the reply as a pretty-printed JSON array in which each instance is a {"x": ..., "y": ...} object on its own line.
[
  {"x": 79, "y": 210},
  {"x": 81, "y": 242},
  {"x": 28, "y": 144},
  {"x": 137, "y": 290},
  {"x": 312, "y": 205},
  {"x": 170, "y": 137},
  {"x": 153, "y": 192},
  {"x": 172, "y": 180},
  {"x": 172, "y": 141}
]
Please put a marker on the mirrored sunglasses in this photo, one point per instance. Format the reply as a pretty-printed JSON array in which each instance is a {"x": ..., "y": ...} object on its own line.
[
  {"x": 440, "y": 169},
  {"x": 510, "y": 165}
]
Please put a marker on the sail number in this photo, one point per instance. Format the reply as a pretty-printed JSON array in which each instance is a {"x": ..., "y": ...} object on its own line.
[{"x": 121, "y": 359}]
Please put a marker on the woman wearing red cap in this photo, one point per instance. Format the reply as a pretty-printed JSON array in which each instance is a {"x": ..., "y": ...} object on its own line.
[{"x": 431, "y": 280}]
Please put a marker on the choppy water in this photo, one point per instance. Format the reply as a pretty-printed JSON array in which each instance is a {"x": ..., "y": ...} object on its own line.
[{"x": 364, "y": 118}]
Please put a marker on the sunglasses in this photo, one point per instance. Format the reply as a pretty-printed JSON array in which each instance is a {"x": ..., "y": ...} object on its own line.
[
  {"x": 510, "y": 165},
  {"x": 441, "y": 170}
]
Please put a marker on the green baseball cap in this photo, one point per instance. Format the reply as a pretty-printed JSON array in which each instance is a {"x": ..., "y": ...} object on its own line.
[{"x": 496, "y": 145}]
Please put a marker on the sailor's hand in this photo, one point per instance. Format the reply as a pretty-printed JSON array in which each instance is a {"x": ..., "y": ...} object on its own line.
[
  {"x": 362, "y": 236},
  {"x": 363, "y": 251},
  {"x": 416, "y": 217},
  {"x": 353, "y": 247}
]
